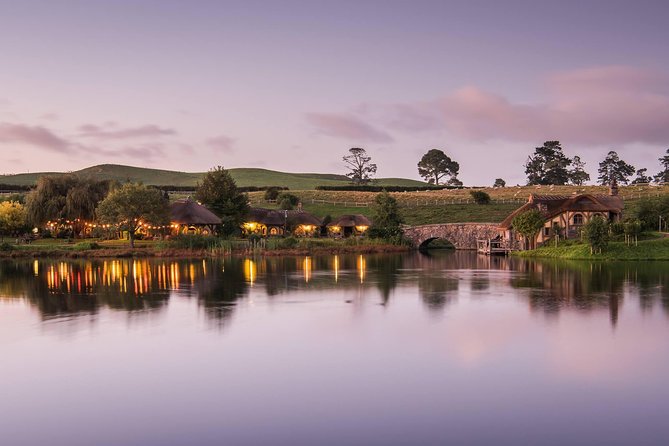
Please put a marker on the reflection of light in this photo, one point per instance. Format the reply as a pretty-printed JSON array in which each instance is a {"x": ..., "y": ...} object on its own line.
[
  {"x": 36, "y": 268},
  {"x": 250, "y": 271},
  {"x": 336, "y": 267},
  {"x": 361, "y": 228},
  {"x": 362, "y": 264},
  {"x": 307, "y": 269}
]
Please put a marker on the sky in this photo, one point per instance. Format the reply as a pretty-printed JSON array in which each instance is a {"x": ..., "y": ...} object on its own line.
[{"x": 292, "y": 85}]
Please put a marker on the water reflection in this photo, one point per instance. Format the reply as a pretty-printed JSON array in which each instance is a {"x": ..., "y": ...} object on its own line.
[{"x": 59, "y": 288}]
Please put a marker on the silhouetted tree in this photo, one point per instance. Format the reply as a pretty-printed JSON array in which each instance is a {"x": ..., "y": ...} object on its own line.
[
  {"x": 548, "y": 165},
  {"x": 359, "y": 163},
  {"x": 577, "y": 175},
  {"x": 641, "y": 177},
  {"x": 663, "y": 175},
  {"x": 614, "y": 169},
  {"x": 499, "y": 183},
  {"x": 435, "y": 165}
]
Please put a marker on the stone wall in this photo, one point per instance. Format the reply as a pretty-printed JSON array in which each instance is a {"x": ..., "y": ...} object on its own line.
[{"x": 461, "y": 235}]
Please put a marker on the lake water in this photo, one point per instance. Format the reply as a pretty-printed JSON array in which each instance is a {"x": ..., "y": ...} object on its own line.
[{"x": 408, "y": 349}]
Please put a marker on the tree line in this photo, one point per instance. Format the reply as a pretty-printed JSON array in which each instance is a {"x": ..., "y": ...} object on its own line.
[{"x": 548, "y": 165}]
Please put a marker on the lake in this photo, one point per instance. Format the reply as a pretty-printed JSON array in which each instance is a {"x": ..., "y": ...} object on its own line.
[{"x": 402, "y": 349}]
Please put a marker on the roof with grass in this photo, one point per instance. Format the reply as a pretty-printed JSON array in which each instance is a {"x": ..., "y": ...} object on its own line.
[{"x": 189, "y": 212}]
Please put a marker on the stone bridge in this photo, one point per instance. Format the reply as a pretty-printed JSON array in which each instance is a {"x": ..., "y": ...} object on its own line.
[{"x": 461, "y": 235}]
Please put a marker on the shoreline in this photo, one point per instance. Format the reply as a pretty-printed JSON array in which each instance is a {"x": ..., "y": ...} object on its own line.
[
  {"x": 182, "y": 253},
  {"x": 647, "y": 250}
]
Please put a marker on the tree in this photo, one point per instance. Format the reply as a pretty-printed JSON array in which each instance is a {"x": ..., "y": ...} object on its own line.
[
  {"x": 435, "y": 165},
  {"x": 548, "y": 165},
  {"x": 480, "y": 197},
  {"x": 663, "y": 175},
  {"x": 387, "y": 221},
  {"x": 131, "y": 205},
  {"x": 632, "y": 230},
  {"x": 272, "y": 193},
  {"x": 218, "y": 191},
  {"x": 65, "y": 197},
  {"x": 614, "y": 169},
  {"x": 359, "y": 163},
  {"x": 641, "y": 177},
  {"x": 528, "y": 224},
  {"x": 499, "y": 183},
  {"x": 12, "y": 218},
  {"x": 577, "y": 175},
  {"x": 596, "y": 234}
]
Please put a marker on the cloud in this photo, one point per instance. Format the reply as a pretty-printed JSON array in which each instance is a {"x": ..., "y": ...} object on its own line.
[
  {"x": 346, "y": 126},
  {"x": 594, "y": 106},
  {"x": 146, "y": 152},
  {"x": 221, "y": 143},
  {"x": 111, "y": 132},
  {"x": 36, "y": 136}
]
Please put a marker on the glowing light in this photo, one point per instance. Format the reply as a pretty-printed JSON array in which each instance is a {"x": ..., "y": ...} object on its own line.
[
  {"x": 250, "y": 271},
  {"x": 306, "y": 265},
  {"x": 362, "y": 266},
  {"x": 336, "y": 268},
  {"x": 36, "y": 268},
  {"x": 361, "y": 228}
]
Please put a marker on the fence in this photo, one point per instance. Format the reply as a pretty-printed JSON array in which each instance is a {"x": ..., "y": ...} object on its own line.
[{"x": 416, "y": 203}]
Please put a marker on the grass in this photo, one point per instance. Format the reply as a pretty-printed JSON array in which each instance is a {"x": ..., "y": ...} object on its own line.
[
  {"x": 243, "y": 177},
  {"x": 655, "y": 249}
]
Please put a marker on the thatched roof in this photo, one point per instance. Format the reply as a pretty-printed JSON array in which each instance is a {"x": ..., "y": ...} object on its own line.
[
  {"x": 272, "y": 217},
  {"x": 552, "y": 205},
  {"x": 350, "y": 220},
  {"x": 303, "y": 218},
  {"x": 267, "y": 217},
  {"x": 189, "y": 212}
]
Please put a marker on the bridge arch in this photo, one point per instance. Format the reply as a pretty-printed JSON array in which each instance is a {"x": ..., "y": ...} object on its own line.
[{"x": 461, "y": 235}]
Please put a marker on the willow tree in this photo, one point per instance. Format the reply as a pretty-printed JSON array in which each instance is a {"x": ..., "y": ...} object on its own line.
[
  {"x": 131, "y": 205},
  {"x": 65, "y": 197}
]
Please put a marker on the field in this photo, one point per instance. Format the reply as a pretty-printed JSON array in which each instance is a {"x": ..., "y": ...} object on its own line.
[
  {"x": 243, "y": 177},
  {"x": 449, "y": 206}
]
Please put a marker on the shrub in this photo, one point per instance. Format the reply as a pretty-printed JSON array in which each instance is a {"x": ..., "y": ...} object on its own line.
[
  {"x": 271, "y": 193},
  {"x": 194, "y": 241},
  {"x": 85, "y": 246},
  {"x": 596, "y": 234},
  {"x": 4, "y": 246},
  {"x": 480, "y": 197}
]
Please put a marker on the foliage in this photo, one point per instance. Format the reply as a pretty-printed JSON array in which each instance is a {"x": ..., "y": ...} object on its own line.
[
  {"x": 577, "y": 175},
  {"x": 480, "y": 197},
  {"x": 219, "y": 192},
  {"x": 641, "y": 177},
  {"x": 613, "y": 169},
  {"x": 528, "y": 224},
  {"x": 285, "y": 204},
  {"x": 86, "y": 246},
  {"x": 19, "y": 198},
  {"x": 548, "y": 165},
  {"x": 293, "y": 199},
  {"x": 193, "y": 241},
  {"x": 649, "y": 212},
  {"x": 387, "y": 221},
  {"x": 271, "y": 193},
  {"x": 4, "y": 246},
  {"x": 362, "y": 170},
  {"x": 499, "y": 182},
  {"x": 64, "y": 197},
  {"x": 12, "y": 217},
  {"x": 663, "y": 175},
  {"x": 130, "y": 205},
  {"x": 596, "y": 234},
  {"x": 435, "y": 165},
  {"x": 632, "y": 229}
]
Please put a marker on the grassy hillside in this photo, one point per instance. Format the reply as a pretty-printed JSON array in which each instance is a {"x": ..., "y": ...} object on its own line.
[{"x": 243, "y": 176}]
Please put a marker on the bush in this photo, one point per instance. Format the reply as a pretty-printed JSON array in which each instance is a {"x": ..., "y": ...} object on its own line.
[
  {"x": 596, "y": 234},
  {"x": 617, "y": 228},
  {"x": 85, "y": 246},
  {"x": 480, "y": 197},
  {"x": 271, "y": 193},
  {"x": 194, "y": 241},
  {"x": 4, "y": 246},
  {"x": 286, "y": 204}
]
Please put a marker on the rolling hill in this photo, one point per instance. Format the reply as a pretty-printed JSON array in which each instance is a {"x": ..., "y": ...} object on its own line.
[{"x": 243, "y": 177}]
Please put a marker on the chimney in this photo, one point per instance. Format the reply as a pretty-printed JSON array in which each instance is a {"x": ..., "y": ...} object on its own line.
[{"x": 613, "y": 188}]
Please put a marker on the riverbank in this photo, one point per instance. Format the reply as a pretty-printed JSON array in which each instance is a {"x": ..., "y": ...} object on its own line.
[
  {"x": 656, "y": 249},
  {"x": 159, "y": 251}
]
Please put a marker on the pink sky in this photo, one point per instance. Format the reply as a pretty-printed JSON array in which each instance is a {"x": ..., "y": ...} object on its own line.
[{"x": 190, "y": 85}]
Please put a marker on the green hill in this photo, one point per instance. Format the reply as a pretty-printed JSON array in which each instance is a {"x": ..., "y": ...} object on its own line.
[{"x": 243, "y": 177}]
